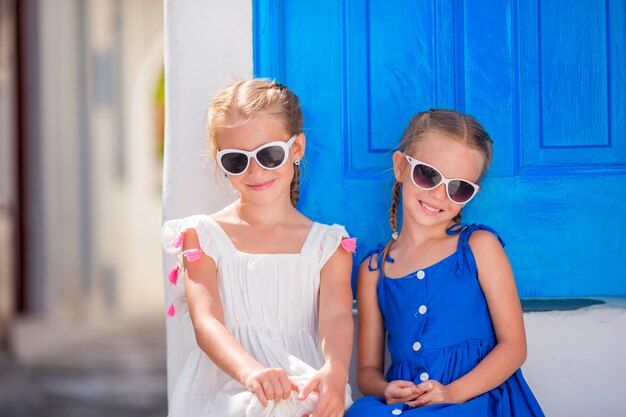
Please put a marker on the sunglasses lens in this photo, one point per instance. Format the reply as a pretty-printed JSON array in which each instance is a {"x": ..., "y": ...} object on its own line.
[
  {"x": 425, "y": 176},
  {"x": 271, "y": 157},
  {"x": 460, "y": 191},
  {"x": 234, "y": 162}
]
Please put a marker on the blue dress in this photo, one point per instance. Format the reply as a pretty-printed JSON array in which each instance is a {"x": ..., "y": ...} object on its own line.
[{"x": 438, "y": 327}]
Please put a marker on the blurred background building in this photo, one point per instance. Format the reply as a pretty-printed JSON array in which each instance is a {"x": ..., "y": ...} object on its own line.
[{"x": 81, "y": 133}]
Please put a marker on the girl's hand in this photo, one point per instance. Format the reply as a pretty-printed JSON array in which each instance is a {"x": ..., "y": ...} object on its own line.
[
  {"x": 270, "y": 384},
  {"x": 399, "y": 391},
  {"x": 331, "y": 388},
  {"x": 431, "y": 392}
]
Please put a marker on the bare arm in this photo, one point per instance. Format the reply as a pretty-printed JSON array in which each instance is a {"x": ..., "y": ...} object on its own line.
[
  {"x": 336, "y": 329},
  {"x": 497, "y": 282},
  {"x": 336, "y": 326},
  {"x": 207, "y": 316},
  {"x": 371, "y": 343},
  {"x": 371, "y": 335}
]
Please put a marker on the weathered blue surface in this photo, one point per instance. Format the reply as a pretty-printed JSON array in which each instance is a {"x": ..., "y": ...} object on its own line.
[{"x": 547, "y": 79}]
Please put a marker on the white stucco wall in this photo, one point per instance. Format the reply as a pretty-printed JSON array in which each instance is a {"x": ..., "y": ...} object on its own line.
[
  {"x": 576, "y": 363},
  {"x": 207, "y": 43}
]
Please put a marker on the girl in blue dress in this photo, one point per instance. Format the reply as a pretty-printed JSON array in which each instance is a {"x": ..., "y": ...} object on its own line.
[{"x": 442, "y": 293}]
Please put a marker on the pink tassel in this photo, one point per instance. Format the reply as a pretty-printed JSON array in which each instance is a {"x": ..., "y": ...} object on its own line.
[
  {"x": 349, "y": 244},
  {"x": 178, "y": 242},
  {"x": 192, "y": 255},
  {"x": 173, "y": 275},
  {"x": 171, "y": 311}
]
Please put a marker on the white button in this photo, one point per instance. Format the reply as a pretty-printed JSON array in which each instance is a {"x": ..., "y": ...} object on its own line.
[
  {"x": 420, "y": 274},
  {"x": 396, "y": 412},
  {"x": 422, "y": 309},
  {"x": 423, "y": 376},
  {"x": 417, "y": 346}
]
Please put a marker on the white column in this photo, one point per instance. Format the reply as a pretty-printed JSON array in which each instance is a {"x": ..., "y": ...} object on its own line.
[{"x": 207, "y": 43}]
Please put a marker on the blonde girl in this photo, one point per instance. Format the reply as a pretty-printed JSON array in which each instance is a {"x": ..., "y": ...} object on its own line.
[
  {"x": 264, "y": 291},
  {"x": 441, "y": 293}
]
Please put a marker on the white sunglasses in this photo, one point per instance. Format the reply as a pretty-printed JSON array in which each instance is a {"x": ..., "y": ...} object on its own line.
[
  {"x": 427, "y": 177},
  {"x": 270, "y": 156}
]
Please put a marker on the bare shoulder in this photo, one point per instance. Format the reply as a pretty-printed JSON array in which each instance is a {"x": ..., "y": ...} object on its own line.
[
  {"x": 341, "y": 257},
  {"x": 485, "y": 243},
  {"x": 227, "y": 215}
]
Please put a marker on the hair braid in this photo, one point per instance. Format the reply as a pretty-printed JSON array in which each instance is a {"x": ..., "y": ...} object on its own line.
[
  {"x": 393, "y": 220},
  {"x": 393, "y": 210},
  {"x": 295, "y": 185}
]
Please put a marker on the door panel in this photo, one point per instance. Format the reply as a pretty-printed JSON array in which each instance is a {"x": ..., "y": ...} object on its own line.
[{"x": 547, "y": 79}]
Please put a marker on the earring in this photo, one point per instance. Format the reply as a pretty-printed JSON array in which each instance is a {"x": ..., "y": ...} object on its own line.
[{"x": 296, "y": 162}]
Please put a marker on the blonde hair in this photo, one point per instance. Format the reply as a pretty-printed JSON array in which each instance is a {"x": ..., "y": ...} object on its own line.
[
  {"x": 243, "y": 100},
  {"x": 451, "y": 125}
]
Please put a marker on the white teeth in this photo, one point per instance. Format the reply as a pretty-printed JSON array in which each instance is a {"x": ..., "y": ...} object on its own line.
[{"x": 431, "y": 209}]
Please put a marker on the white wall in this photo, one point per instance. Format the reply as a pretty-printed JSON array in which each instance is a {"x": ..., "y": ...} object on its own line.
[
  {"x": 207, "y": 43},
  {"x": 576, "y": 361}
]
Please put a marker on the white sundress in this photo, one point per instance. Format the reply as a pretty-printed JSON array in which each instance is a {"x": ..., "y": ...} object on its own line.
[{"x": 270, "y": 304}]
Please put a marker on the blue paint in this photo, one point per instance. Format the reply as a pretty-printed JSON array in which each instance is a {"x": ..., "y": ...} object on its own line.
[{"x": 547, "y": 79}]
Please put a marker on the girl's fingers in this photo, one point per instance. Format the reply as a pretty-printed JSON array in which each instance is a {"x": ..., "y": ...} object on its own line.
[
  {"x": 308, "y": 387},
  {"x": 268, "y": 388},
  {"x": 402, "y": 395},
  {"x": 426, "y": 386},
  {"x": 260, "y": 393},
  {"x": 425, "y": 399},
  {"x": 285, "y": 385},
  {"x": 413, "y": 404},
  {"x": 409, "y": 392},
  {"x": 295, "y": 385},
  {"x": 407, "y": 399}
]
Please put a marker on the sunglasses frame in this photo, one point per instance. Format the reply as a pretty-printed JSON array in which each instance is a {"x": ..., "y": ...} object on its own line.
[
  {"x": 414, "y": 162},
  {"x": 286, "y": 146}
]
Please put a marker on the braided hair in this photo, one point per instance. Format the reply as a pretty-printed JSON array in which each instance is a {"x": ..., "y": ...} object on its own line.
[{"x": 451, "y": 124}]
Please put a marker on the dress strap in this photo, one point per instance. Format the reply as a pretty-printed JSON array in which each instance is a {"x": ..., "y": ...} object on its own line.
[
  {"x": 323, "y": 240},
  {"x": 378, "y": 250},
  {"x": 464, "y": 253},
  {"x": 220, "y": 235},
  {"x": 313, "y": 239}
]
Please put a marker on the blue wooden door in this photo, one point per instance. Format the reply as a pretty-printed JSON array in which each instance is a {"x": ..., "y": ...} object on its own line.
[{"x": 546, "y": 78}]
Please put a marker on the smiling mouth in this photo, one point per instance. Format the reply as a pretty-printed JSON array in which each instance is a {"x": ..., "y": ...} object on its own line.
[
  {"x": 261, "y": 186},
  {"x": 429, "y": 209}
]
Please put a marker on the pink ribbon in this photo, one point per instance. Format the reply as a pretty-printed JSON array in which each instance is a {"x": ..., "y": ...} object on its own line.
[
  {"x": 178, "y": 242},
  {"x": 349, "y": 244},
  {"x": 192, "y": 255},
  {"x": 173, "y": 275},
  {"x": 171, "y": 311}
]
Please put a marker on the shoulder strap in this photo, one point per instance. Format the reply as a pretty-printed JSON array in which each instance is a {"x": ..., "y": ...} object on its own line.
[
  {"x": 378, "y": 251},
  {"x": 464, "y": 253},
  {"x": 210, "y": 225},
  {"x": 313, "y": 239}
]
